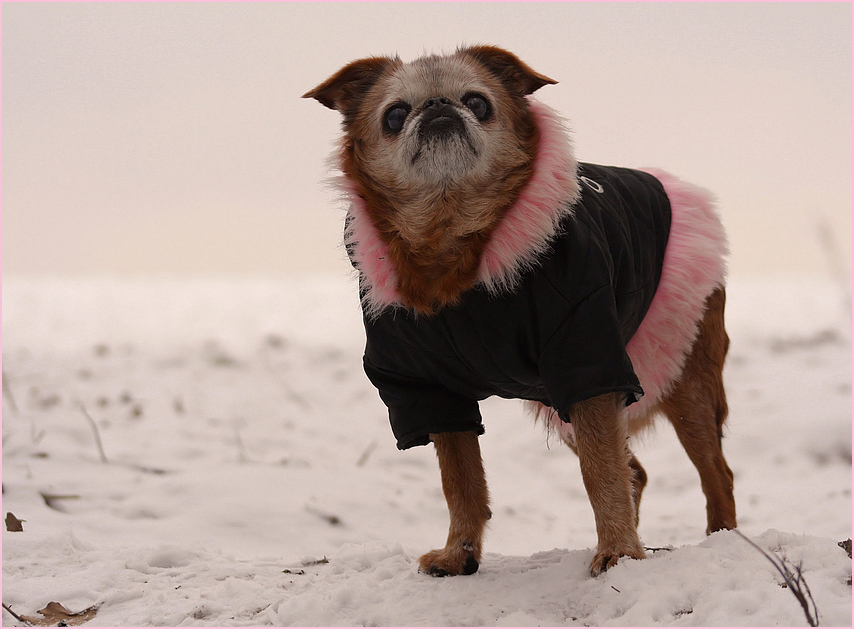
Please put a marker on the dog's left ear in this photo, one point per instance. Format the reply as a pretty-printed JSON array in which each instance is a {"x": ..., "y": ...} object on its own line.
[
  {"x": 345, "y": 89},
  {"x": 514, "y": 73}
]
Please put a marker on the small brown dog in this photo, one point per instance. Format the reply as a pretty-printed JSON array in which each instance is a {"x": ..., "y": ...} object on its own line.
[{"x": 492, "y": 263}]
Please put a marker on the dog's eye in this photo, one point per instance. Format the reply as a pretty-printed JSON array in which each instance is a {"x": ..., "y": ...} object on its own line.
[
  {"x": 395, "y": 116},
  {"x": 478, "y": 105}
]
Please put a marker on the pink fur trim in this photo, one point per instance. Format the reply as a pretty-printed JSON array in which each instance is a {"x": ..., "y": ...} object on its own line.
[
  {"x": 370, "y": 254},
  {"x": 521, "y": 237},
  {"x": 693, "y": 268},
  {"x": 526, "y": 230}
]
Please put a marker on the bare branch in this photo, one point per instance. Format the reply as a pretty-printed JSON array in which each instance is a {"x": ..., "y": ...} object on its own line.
[
  {"x": 7, "y": 395},
  {"x": 366, "y": 454},
  {"x": 796, "y": 583},
  {"x": 97, "y": 434},
  {"x": 14, "y": 615}
]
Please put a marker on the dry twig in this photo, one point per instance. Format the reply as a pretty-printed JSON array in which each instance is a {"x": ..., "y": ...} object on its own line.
[
  {"x": 14, "y": 615},
  {"x": 7, "y": 395},
  {"x": 97, "y": 434},
  {"x": 794, "y": 580},
  {"x": 367, "y": 453}
]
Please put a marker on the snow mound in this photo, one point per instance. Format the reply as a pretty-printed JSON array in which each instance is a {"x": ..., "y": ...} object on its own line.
[
  {"x": 720, "y": 582},
  {"x": 710, "y": 584}
]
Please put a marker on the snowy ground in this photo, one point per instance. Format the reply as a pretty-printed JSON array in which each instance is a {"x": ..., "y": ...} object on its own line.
[{"x": 244, "y": 445}]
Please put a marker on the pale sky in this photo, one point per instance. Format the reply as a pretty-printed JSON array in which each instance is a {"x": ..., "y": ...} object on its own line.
[{"x": 171, "y": 138}]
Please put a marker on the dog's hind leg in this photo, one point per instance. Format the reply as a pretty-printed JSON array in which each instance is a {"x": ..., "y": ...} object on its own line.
[
  {"x": 612, "y": 481},
  {"x": 464, "y": 484},
  {"x": 697, "y": 408},
  {"x": 638, "y": 483}
]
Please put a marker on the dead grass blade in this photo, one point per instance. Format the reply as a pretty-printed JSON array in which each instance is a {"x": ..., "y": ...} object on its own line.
[{"x": 95, "y": 431}]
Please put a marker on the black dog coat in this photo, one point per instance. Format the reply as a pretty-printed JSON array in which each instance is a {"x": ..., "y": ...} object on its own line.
[
  {"x": 559, "y": 338},
  {"x": 593, "y": 282}
]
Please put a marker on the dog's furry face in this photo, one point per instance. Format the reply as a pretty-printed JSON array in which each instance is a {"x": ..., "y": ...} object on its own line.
[
  {"x": 435, "y": 126},
  {"x": 439, "y": 149},
  {"x": 439, "y": 122}
]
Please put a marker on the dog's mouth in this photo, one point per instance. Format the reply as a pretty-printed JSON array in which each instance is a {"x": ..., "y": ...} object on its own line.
[
  {"x": 443, "y": 129},
  {"x": 441, "y": 122}
]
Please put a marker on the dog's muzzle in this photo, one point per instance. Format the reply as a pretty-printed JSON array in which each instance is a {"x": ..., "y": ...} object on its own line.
[{"x": 440, "y": 118}]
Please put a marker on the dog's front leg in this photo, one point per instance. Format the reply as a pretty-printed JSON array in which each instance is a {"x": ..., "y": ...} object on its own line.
[
  {"x": 464, "y": 484},
  {"x": 600, "y": 439}
]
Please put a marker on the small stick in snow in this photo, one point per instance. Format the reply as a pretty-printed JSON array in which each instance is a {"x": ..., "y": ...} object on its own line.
[
  {"x": 97, "y": 434},
  {"x": 366, "y": 454},
  {"x": 14, "y": 615},
  {"x": 7, "y": 395},
  {"x": 316, "y": 562},
  {"x": 838, "y": 265},
  {"x": 796, "y": 583},
  {"x": 241, "y": 447},
  {"x": 334, "y": 520}
]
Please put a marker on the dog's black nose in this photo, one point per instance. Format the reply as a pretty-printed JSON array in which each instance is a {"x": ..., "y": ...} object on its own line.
[
  {"x": 436, "y": 102},
  {"x": 439, "y": 118}
]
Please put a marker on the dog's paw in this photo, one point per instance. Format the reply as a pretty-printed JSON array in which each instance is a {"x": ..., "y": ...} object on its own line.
[
  {"x": 449, "y": 562},
  {"x": 604, "y": 559}
]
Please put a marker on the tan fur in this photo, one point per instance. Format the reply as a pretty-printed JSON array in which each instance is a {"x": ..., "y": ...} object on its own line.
[
  {"x": 601, "y": 442},
  {"x": 436, "y": 219},
  {"x": 435, "y": 206},
  {"x": 613, "y": 477},
  {"x": 697, "y": 408},
  {"x": 464, "y": 484}
]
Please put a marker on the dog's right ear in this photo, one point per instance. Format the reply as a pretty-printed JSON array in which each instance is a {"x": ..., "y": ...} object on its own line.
[{"x": 345, "y": 89}]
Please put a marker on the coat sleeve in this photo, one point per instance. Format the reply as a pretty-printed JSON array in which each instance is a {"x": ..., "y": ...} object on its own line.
[
  {"x": 585, "y": 356},
  {"x": 417, "y": 408}
]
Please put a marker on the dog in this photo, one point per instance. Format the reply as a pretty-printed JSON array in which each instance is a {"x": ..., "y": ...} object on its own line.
[{"x": 491, "y": 262}]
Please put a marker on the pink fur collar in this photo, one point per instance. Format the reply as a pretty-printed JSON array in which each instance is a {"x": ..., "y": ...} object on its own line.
[{"x": 518, "y": 241}]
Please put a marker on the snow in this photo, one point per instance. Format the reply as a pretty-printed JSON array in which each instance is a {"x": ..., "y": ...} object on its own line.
[{"x": 244, "y": 446}]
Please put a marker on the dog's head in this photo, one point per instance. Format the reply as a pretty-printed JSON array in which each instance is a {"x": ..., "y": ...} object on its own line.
[
  {"x": 445, "y": 121},
  {"x": 437, "y": 150}
]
